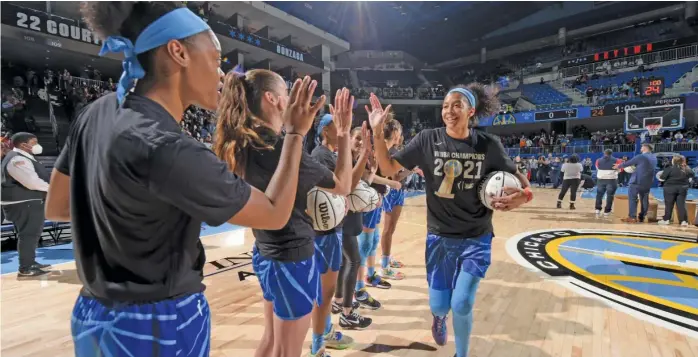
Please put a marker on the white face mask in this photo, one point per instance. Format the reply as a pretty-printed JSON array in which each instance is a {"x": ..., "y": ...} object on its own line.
[{"x": 37, "y": 149}]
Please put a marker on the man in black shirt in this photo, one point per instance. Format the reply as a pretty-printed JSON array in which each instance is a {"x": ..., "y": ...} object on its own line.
[
  {"x": 454, "y": 160},
  {"x": 137, "y": 189}
]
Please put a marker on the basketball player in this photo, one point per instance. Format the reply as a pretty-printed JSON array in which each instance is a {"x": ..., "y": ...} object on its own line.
[
  {"x": 454, "y": 159},
  {"x": 136, "y": 188},
  {"x": 344, "y": 303},
  {"x": 392, "y": 204},
  {"x": 328, "y": 244},
  {"x": 249, "y": 137}
]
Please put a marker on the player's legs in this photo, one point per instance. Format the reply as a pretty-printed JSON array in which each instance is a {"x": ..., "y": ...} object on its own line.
[
  {"x": 293, "y": 290},
  {"x": 179, "y": 327},
  {"x": 328, "y": 254},
  {"x": 392, "y": 215},
  {"x": 266, "y": 343},
  {"x": 344, "y": 304},
  {"x": 462, "y": 301}
]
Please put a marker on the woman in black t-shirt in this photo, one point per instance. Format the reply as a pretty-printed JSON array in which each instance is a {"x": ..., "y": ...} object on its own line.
[
  {"x": 248, "y": 137},
  {"x": 454, "y": 160},
  {"x": 676, "y": 180}
]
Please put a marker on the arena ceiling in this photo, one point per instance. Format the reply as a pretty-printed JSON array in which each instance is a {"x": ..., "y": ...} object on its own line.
[{"x": 436, "y": 31}]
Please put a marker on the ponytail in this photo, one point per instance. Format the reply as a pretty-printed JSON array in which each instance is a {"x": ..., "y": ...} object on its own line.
[{"x": 239, "y": 126}]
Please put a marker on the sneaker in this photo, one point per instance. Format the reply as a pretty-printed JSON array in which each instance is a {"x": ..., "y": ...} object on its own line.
[
  {"x": 40, "y": 266},
  {"x": 31, "y": 271},
  {"x": 663, "y": 223},
  {"x": 366, "y": 301},
  {"x": 396, "y": 264},
  {"x": 320, "y": 353},
  {"x": 559, "y": 204},
  {"x": 337, "y": 340},
  {"x": 354, "y": 321},
  {"x": 439, "y": 330},
  {"x": 572, "y": 206},
  {"x": 392, "y": 274},
  {"x": 598, "y": 213},
  {"x": 377, "y": 282},
  {"x": 606, "y": 214},
  {"x": 337, "y": 308},
  {"x": 684, "y": 224},
  {"x": 629, "y": 220}
]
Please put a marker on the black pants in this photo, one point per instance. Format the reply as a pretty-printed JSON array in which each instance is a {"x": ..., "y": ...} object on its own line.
[
  {"x": 28, "y": 217},
  {"x": 346, "y": 280},
  {"x": 572, "y": 185},
  {"x": 675, "y": 195}
]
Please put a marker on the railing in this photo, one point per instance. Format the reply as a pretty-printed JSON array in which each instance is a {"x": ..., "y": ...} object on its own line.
[
  {"x": 580, "y": 149},
  {"x": 85, "y": 82},
  {"x": 672, "y": 54},
  {"x": 675, "y": 147}
]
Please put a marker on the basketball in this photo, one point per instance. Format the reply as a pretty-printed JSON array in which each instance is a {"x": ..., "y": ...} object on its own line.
[
  {"x": 629, "y": 169},
  {"x": 325, "y": 209},
  {"x": 363, "y": 199},
  {"x": 659, "y": 175},
  {"x": 493, "y": 186}
]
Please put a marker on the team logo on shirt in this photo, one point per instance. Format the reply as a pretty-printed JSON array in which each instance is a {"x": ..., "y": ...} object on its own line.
[
  {"x": 651, "y": 276},
  {"x": 459, "y": 171}
]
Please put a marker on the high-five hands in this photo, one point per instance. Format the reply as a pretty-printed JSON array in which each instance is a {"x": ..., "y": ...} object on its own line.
[
  {"x": 300, "y": 113},
  {"x": 376, "y": 114},
  {"x": 342, "y": 110}
]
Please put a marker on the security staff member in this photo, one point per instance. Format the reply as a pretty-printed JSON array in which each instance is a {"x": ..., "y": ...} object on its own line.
[{"x": 24, "y": 186}]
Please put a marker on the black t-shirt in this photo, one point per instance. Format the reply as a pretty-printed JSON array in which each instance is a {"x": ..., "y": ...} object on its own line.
[
  {"x": 328, "y": 158},
  {"x": 139, "y": 191},
  {"x": 392, "y": 151},
  {"x": 294, "y": 242},
  {"x": 454, "y": 209}
]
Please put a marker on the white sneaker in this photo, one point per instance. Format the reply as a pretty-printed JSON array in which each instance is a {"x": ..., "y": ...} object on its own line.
[
  {"x": 606, "y": 214},
  {"x": 598, "y": 213},
  {"x": 684, "y": 224},
  {"x": 663, "y": 223}
]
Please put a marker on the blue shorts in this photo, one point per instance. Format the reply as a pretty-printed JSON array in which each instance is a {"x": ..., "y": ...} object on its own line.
[
  {"x": 446, "y": 257},
  {"x": 392, "y": 199},
  {"x": 372, "y": 218},
  {"x": 178, "y": 327},
  {"x": 328, "y": 252},
  {"x": 292, "y": 287}
]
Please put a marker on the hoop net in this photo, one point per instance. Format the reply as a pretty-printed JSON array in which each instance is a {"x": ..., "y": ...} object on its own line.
[{"x": 653, "y": 129}]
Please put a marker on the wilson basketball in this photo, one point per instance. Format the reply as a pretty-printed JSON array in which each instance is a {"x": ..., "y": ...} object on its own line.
[
  {"x": 363, "y": 199},
  {"x": 629, "y": 169},
  {"x": 325, "y": 209},
  {"x": 493, "y": 186}
]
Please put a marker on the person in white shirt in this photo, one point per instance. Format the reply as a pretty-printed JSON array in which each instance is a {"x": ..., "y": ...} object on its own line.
[
  {"x": 572, "y": 171},
  {"x": 24, "y": 186}
]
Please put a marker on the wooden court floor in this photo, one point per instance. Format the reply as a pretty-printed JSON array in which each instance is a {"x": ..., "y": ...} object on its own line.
[{"x": 518, "y": 313}]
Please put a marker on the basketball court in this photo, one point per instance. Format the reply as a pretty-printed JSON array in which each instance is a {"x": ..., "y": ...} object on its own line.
[{"x": 562, "y": 284}]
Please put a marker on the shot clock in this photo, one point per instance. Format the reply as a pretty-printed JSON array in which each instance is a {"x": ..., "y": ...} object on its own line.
[{"x": 652, "y": 87}]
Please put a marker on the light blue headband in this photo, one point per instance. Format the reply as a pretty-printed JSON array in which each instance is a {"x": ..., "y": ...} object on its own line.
[
  {"x": 175, "y": 25},
  {"x": 467, "y": 94},
  {"x": 324, "y": 121}
]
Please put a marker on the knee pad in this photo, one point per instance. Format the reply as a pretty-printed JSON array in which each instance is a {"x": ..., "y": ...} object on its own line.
[
  {"x": 365, "y": 246},
  {"x": 439, "y": 302}
]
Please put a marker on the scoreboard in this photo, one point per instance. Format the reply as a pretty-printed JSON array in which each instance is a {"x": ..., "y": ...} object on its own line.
[
  {"x": 652, "y": 87},
  {"x": 556, "y": 115}
]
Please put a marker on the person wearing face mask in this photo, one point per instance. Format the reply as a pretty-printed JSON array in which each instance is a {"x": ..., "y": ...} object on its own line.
[{"x": 24, "y": 186}]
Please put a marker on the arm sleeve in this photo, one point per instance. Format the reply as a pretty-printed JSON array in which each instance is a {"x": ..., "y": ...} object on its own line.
[
  {"x": 190, "y": 176},
  {"x": 22, "y": 170},
  {"x": 634, "y": 161},
  {"x": 312, "y": 170},
  {"x": 664, "y": 175},
  {"x": 411, "y": 156}
]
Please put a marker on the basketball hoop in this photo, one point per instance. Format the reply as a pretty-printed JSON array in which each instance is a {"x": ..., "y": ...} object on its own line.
[{"x": 653, "y": 129}]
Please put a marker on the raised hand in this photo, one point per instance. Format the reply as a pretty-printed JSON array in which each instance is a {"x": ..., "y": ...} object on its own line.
[
  {"x": 342, "y": 110},
  {"x": 376, "y": 114},
  {"x": 366, "y": 140},
  {"x": 372, "y": 162},
  {"x": 300, "y": 113}
]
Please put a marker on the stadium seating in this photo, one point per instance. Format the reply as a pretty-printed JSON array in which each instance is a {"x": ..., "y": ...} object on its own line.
[
  {"x": 671, "y": 74},
  {"x": 544, "y": 96}
]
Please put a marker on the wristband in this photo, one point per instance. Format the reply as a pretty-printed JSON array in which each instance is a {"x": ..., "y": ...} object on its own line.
[{"x": 529, "y": 194}]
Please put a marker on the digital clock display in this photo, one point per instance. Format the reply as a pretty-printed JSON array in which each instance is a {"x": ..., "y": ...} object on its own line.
[
  {"x": 652, "y": 87},
  {"x": 556, "y": 114}
]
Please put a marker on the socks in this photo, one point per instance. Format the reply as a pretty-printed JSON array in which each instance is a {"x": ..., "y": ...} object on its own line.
[
  {"x": 318, "y": 342},
  {"x": 360, "y": 284},
  {"x": 462, "y": 303},
  {"x": 370, "y": 271},
  {"x": 385, "y": 260},
  {"x": 328, "y": 325}
]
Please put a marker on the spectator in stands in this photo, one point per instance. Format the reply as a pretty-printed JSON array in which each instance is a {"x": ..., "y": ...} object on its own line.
[
  {"x": 640, "y": 183},
  {"x": 607, "y": 182},
  {"x": 590, "y": 95},
  {"x": 24, "y": 185},
  {"x": 587, "y": 166},
  {"x": 676, "y": 180}
]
